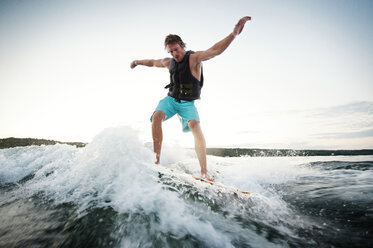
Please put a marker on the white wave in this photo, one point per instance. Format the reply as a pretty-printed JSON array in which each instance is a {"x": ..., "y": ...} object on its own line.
[
  {"x": 17, "y": 163},
  {"x": 114, "y": 170},
  {"x": 117, "y": 170}
]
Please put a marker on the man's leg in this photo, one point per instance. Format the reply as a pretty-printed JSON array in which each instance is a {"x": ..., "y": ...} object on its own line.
[
  {"x": 158, "y": 118},
  {"x": 199, "y": 145}
]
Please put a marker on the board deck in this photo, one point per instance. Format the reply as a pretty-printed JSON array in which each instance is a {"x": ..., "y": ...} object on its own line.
[
  {"x": 185, "y": 177},
  {"x": 220, "y": 185}
]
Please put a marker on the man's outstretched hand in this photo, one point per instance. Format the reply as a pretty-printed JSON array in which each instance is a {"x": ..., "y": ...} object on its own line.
[
  {"x": 239, "y": 26},
  {"x": 133, "y": 64}
]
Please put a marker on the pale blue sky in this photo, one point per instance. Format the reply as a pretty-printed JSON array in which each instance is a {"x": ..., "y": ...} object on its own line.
[{"x": 289, "y": 80}]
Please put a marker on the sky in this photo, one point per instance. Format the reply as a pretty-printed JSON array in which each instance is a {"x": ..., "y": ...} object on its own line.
[{"x": 299, "y": 76}]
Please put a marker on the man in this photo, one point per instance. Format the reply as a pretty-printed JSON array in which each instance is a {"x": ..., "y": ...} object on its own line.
[{"x": 186, "y": 82}]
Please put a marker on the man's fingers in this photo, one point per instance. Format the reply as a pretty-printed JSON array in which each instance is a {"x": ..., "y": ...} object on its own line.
[
  {"x": 244, "y": 20},
  {"x": 241, "y": 24}
]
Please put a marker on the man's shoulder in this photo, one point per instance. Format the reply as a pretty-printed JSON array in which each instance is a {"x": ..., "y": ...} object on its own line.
[
  {"x": 166, "y": 62},
  {"x": 194, "y": 58},
  {"x": 192, "y": 55}
]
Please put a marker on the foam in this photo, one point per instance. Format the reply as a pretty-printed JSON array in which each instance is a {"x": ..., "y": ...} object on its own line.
[
  {"x": 114, "y": 170},
  {"x": 117, "y": 170}
]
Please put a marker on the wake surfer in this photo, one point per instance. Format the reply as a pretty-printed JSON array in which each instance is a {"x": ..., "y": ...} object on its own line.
[{"x": 186, "y": 81}]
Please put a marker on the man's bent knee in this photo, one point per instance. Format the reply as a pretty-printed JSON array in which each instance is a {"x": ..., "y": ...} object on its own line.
[
  {"x": 158, "y": 116},
  {"x": 193, "y": 124}
]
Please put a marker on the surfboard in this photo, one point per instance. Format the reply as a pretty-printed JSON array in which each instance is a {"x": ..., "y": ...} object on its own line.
[
  {"x": 186, "y": 177},
  {"x": 221, "y": 185}
]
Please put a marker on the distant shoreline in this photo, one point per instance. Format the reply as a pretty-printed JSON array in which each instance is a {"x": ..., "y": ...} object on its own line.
[
  {"x": 221, "y": 152},
  {"x": 257, "y": 152},
  {"x": 19, "y": 142}
]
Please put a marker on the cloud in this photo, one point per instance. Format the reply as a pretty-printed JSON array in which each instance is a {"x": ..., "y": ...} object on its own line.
[
  {"x": 354, "y": 118},
  {"x": 363, "y": 107},
  {"x": 346, "y": 125},
  {"x": 346, "y": 135}
]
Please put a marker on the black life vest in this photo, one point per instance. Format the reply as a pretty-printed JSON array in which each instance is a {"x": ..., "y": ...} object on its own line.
[{"x": 183, "y": 85}]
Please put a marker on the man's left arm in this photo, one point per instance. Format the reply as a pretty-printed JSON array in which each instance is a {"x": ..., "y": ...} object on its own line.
[{"x": 220, "y": 47}]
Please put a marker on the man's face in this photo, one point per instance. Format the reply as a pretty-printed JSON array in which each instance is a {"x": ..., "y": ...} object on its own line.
[{"x": 176, "y": 51}]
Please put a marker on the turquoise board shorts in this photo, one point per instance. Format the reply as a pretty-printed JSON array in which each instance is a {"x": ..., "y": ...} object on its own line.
[{"x": 185, "y": 109}]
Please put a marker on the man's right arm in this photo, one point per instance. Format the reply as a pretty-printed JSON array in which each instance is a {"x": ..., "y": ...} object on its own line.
[{"x": 152, "y": 62}]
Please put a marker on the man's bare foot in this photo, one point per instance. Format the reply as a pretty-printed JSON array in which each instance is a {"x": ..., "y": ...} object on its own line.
[
  {"x": 157, "y": 159},
  {"x": 207, "y": 177}
]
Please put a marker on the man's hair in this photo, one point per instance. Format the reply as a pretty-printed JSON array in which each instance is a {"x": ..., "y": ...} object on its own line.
[{"x": 172, "y": 39}]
